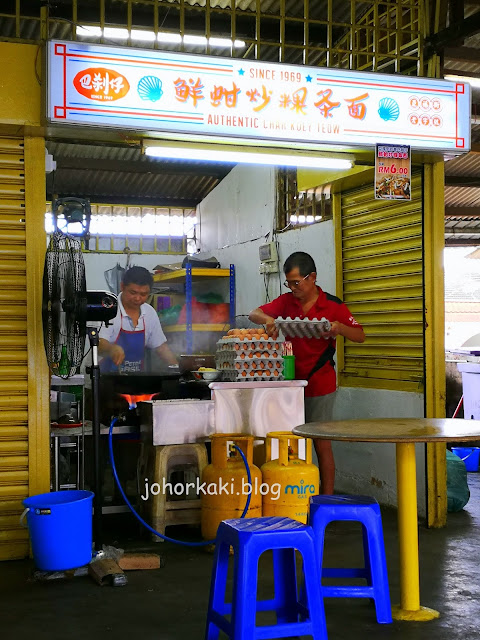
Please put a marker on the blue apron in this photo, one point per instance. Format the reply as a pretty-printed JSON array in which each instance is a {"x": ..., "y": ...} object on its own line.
[{"x": 133, "y": 343}]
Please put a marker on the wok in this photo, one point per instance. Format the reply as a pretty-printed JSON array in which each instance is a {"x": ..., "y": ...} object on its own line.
[
  {"x": 194, "y": 361},
  {"x": 136, "y": 383}
]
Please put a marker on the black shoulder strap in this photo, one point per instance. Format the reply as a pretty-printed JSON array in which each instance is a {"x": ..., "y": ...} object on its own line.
[{"x": 327, "y": 356}]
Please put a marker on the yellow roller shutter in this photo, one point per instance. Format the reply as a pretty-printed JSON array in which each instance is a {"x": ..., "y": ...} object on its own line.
[
  {"x": 382, "y": 267},
  {"x": 14, "y": 479}
]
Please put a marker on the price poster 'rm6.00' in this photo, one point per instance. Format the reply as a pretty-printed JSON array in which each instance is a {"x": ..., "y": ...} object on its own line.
[{"x": 392, "y": 172}]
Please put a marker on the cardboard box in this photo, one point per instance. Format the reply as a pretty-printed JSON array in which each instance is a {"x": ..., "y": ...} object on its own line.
[{"x": 133, "y": 561}]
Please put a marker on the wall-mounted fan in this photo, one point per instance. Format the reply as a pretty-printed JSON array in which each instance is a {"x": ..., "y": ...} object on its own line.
[
  {"x": 72, "y": 216},
  {"x": 67, "y": 310}
]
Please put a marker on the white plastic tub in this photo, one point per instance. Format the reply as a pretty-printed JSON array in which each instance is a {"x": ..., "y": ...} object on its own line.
[{"x": 471, "y": 389}]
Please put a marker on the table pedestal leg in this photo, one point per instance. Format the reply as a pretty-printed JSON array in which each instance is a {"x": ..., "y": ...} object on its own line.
[{"x": 409, "y": 607}]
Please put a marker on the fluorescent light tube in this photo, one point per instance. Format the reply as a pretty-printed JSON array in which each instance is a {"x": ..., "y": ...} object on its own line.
[
  {"x": 89, "y": 32},
  {"x": 164, "y": 36},
  {"x": 144, "y": 36},
  {"x": 249, "y": 157},
  {"x": 195, "y": 39},
  {"x": 226, "y": 42},
  {"x": 219, "y": 42},
  {"x": 115, "y": 33},
  {"x": 473, "y": 82}
]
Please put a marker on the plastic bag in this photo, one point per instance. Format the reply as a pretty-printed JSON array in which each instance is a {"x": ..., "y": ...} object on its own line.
[
  {"x": 458, "y": 493},
  {"x": 205, "y": 263},
  {"x": 199, "y": 313},
  {"x": 219, "y": 313},
  {"x": 210, "y": 298},
  {"x": 170, "y": 316},
  {"x": 108, "y": 552}
]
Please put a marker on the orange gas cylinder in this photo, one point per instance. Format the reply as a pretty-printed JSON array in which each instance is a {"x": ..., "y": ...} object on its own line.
[
  {"x": 291, "y": 479},
  {"x": 225, "y": 484}
]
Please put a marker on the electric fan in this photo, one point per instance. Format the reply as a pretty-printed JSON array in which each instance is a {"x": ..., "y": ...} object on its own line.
[
  {"x": 67, "y": 308},
  {"x": 72, "y": 216}
]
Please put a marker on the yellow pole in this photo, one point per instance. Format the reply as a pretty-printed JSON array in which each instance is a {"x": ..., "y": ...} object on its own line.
[
  {"x": 38, "y": 374},
  {"x": 409, "y": 608},
  {"x": 407, "y": 527},
  {"x": 434, "y": 299}
]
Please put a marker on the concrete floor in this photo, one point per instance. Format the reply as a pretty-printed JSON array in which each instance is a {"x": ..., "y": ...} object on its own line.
[{"x": 171, "y": 603}]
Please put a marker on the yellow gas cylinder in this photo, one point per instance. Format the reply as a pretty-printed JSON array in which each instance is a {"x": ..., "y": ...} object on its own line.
[
  {"x": 291, "y": 480},
  {"x": 225, "y": 487}
]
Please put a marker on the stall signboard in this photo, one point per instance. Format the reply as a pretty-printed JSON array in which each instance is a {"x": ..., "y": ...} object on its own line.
[
  {"x": 392, "y": 172},
  {"x": 158, "y": 91}
]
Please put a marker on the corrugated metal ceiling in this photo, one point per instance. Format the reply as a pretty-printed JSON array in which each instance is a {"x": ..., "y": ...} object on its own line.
[
  {"x": 122, "y": 173},
  {"x": 100, "y": 186},
  {"x": 462, "y": 197},
  {"x": 463, "y": 231},
  {"x": 466, "y": 165},
  {"x": 318, "y": 10},
  {"x": 60, "y": 27}
]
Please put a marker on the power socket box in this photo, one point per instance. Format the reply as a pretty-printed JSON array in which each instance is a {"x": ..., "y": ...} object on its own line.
[
  {"x": 268, "y": 252},
  {"x": 268, "y": 267}
]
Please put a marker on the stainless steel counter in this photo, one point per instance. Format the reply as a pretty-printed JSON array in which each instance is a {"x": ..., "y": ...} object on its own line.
[
  {"x": 104, "y": 430},
  {"x": 176, "y": 421}
]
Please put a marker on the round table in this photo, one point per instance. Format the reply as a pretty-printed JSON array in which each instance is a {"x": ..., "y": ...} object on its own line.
[{"x": 404, "y": 432}]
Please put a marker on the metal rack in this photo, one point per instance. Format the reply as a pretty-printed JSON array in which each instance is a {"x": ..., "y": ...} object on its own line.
[
  {"x": 76, "y": 438},
  {"x": 76, "y": 443},
  {"x": 189, "y": 276}
]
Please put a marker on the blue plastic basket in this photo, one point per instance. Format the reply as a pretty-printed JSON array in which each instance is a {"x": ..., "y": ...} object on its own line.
[
  {"x": 60, "y": 525},
  {"x": 470, "y": 455}
]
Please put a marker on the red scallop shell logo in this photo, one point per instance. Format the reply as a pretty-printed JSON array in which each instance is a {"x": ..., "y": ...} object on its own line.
[{"x": 101, "y": 84}]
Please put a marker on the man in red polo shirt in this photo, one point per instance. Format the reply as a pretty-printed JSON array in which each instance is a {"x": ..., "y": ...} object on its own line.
[{"x": 313, "y": 357}]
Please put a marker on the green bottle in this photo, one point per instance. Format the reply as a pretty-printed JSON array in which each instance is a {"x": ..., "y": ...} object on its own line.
[{"x": 64, "y": 364}]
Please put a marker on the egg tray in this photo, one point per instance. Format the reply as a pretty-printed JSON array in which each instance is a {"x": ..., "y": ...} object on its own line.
[
  {"x": 231, "y": 356},
  {"x": 262, "y": 364},
  {"x": 236, "y": 344},
  {"x": 235, "y": 376},
  {"x": 303, "y": 328}
]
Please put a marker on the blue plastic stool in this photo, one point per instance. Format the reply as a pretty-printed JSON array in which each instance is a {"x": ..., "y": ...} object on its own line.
[
  {"x": 250, "y": 537},
  {"x": 326, "y": 509}
]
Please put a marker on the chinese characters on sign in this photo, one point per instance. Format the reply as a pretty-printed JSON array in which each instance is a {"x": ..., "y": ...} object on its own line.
[
  {"x": 231, "y": 97},
  {"x": 185, "y": 90},
  {"x": 101, "y": 84},
  {"x": 392, "y": 172},
  {"x": 296, "y": 101}
]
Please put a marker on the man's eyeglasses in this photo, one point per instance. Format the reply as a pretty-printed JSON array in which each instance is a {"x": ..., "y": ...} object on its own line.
[{"x": 294, "y": 283}]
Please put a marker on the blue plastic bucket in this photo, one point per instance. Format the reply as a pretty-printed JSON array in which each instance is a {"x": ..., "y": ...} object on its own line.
[
  {"x": 60, "y": 525},
  {"x": 470, "y": 455}
]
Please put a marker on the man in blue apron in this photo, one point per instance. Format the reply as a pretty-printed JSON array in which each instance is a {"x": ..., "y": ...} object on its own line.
[{"x": 135, "y": 328}]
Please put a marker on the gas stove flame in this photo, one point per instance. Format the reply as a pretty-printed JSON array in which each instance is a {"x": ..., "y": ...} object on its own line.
[{"x": 133, "y": 399}]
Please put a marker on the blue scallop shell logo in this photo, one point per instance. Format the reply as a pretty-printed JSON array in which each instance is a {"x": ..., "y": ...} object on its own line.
[
  {"x": 388, "y": 109},
  {"x": 150, "y": 88}
]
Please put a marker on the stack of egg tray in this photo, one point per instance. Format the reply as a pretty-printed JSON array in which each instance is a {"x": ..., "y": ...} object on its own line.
[
  {"x": 302, "y": 327},
  {"x": 249, "y": 360}
]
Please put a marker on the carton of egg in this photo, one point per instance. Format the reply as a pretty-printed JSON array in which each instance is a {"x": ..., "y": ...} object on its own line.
[
  {"x": 302, "y": 327},
  {"x": 249, "y": 359},
  {"x": 231, "y": 376}
]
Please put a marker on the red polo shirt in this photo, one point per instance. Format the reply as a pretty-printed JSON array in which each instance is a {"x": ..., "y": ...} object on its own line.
[{"x": 308, "y": 350}]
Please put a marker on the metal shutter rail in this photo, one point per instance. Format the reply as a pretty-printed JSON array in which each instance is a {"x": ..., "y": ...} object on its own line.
[
  {"x": 13, "y": 350},
  {"x": 382, "y": 265}
]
